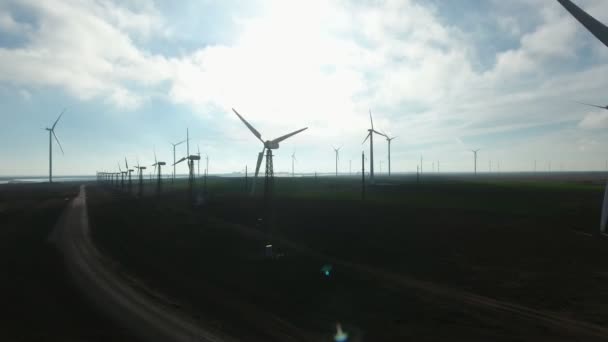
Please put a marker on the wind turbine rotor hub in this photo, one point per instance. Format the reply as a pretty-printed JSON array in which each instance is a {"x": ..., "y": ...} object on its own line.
[{"x": 271, "y": 145}]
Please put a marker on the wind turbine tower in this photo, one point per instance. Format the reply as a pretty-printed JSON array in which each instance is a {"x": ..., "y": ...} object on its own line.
[
  {"x": 122, "y": 177},
  {"x": 388, "y": 140},
  {"x": 129, "y": 171},
  {"x": 140, "y": 170},
  {"x": 175, "y": 145},
  {"x": 190, "y": 161},
  {"x": 158, "y": 164},
  {"x": 337, "y": 151},
  {"x": 51, "y": 135},
  {"x": 370, "y": 135},
  {"x": 475, "y": 160}
]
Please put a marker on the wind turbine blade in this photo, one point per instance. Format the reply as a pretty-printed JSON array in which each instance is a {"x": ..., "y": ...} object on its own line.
[
  {"x": 257, "y": 166},
  {"x": 370, "y": 118},
  {"x": 253, "y": 130},
  {"x": 198, "y": 148},
  {"x": 599, "y": 30},
  {"x": 179, "y": 143},
  {"x": 59, "y": 117},
  {"x": 155, "y": 161},
  {"x": 126, "y": 164},
  {"x": 382, "y": 134},
  {"x": 604, "y": 217},
  {"x": 56, "y": 139},
  {"x": 279, "y": 139},
  {"x": 179, "y": 161},
  {"x": 592, "y": 105},
  {"x": 367, "y": 136}
]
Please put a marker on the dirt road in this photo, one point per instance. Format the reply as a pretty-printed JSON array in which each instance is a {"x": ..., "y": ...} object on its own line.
[{"x": 146, "y": 316}]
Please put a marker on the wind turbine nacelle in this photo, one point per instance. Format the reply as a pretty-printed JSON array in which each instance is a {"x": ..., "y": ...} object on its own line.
[
  {"x": 161, "y": 163},
  {"x": 271, "y": 145},
  {"x": 194, "y": 157}
]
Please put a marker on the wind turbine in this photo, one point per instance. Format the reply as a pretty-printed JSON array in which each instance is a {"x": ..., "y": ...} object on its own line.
[
  {"x": 592, "y": 105},
  {"x": 175, "y": 145},
  {"x": 159, "y": 165},
  {"x": 337, "y": 151},
  {"x": 122, "y": 177},
  {"x": 475, "y": 159},
  {"x": 129, "y": 171},
  {"x": 388, "y": 140},
  {"x": 51, "y": 135},
  {"x": 140, "y": 170},
  {"x": 190, "y": 160},
  {"x": 370, "y": 135},
  {"x": 269, "y": 145}
]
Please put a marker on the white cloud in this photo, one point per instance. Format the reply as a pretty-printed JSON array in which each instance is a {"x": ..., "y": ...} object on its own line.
[
  {"x": 80, "y": 47},
  {"x": 322, "y": 64},
  {"x": 595, "y": 120}
]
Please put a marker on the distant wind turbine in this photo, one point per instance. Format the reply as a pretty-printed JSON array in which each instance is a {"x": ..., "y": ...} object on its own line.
[
  {"x": 51, "y": 135},
  {"x": 475, "y": 159},
  {"x": 370, "y": 135},
  {"x": 158, "y": 164},
  {"x": 337, "y": 151},
  {"x": 388, "y": 140},
  {"x": 175, "y": 145}
]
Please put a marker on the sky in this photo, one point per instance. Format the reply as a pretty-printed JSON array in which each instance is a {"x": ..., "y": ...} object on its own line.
[{"x": 444, "y": 76}]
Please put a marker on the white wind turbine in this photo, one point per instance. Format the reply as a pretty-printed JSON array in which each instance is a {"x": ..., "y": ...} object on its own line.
[
  {"x": 269, "y": 145},
  {"x": 370, "y": 135},
  {"x": 51, "y": 135},
  {"x": 174, "y": 146},
  {"x": 337, "y": 151},
  {"x": 388, "y": 140}
]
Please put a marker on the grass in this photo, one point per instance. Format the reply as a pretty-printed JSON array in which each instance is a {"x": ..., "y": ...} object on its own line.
[{"x": 504, "y": 238}]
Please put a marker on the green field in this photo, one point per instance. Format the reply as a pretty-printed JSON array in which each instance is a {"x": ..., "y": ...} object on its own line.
[{"x": 516, "y": 239}]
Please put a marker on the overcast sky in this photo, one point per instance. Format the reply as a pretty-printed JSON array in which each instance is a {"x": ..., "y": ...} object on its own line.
[{"x": 445, "y": 76}]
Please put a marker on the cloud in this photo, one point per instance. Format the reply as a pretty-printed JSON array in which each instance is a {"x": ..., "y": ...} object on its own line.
[
  {"x": 595, "y": 120},
  {"x": 322, "y": 64},
  {"x": 85, "y": 48}
]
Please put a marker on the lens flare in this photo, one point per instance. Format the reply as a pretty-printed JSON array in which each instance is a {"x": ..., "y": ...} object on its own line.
[{"x": 341, "y": 336}]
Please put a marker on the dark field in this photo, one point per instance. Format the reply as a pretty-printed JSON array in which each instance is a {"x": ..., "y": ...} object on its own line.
[
  {"x": 520, "y": 239},
  {"x": 38, "y": 300}
]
